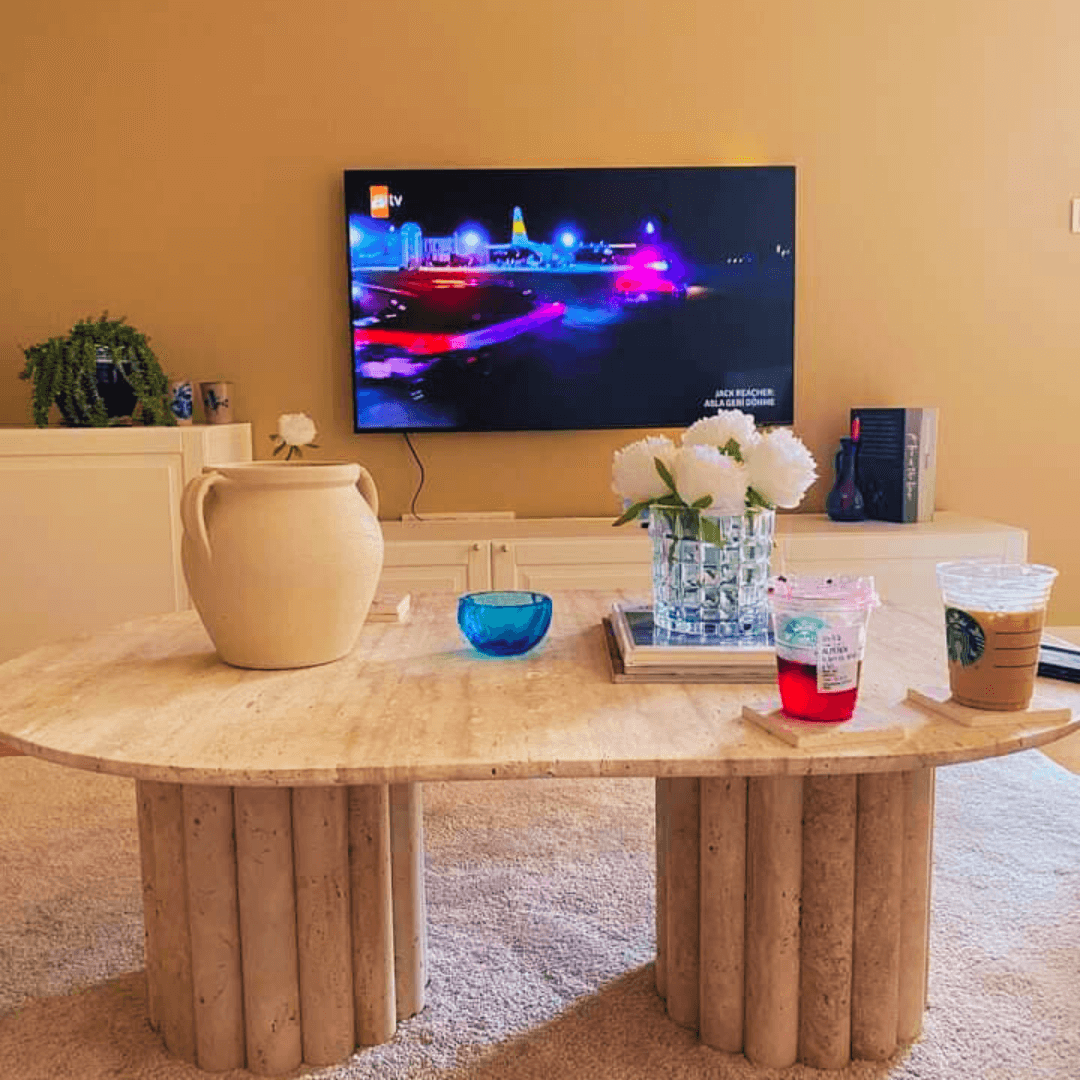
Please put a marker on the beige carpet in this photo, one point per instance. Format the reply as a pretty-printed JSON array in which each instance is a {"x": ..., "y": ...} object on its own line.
[{"x": 541, "y": 921}]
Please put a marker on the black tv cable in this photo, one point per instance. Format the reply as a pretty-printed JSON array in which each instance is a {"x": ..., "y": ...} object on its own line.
[{"x": 420, "y": 466}]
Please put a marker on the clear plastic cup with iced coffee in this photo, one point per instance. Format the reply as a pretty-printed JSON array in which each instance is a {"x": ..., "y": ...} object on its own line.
[
  {"x": 819, "y": 625},
  {"x": 994, "y": 616}
]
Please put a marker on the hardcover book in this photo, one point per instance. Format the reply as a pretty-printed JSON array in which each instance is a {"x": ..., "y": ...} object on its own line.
[
  {"x": 896, "y": 462},
  {"x": 645, "y": 651}
]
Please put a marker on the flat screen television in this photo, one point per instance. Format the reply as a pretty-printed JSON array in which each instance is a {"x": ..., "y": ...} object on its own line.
[{"x": 568, "y": 299}]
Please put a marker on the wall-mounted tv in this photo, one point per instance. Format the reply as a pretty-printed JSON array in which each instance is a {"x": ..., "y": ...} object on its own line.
[{"x": 566, "y": 299}]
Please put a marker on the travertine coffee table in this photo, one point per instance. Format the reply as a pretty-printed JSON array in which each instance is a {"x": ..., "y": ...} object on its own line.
[{"x": 281, "y": 843}]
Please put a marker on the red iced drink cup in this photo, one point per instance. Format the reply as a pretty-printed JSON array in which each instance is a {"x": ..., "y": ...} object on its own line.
[{"x": 819, "y": 624}]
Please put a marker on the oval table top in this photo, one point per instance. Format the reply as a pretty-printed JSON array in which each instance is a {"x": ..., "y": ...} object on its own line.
[{"x": 413, "y": 702}]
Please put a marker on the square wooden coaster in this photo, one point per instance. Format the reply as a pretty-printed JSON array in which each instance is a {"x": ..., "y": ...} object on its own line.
[
  {"x": 865, "y": 726},
  {"x": 938, "y": 700},
  {"x": 390, "y": 607}
]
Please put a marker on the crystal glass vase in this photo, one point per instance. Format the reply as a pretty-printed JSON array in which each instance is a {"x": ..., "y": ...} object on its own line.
[{"x": 710, "y": 591}]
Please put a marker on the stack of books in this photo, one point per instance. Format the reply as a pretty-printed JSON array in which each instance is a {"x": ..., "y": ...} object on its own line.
[{"x": 638, "y": 653}]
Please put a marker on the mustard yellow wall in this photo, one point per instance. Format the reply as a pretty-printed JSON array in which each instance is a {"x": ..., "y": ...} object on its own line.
[{"x": 180, "y": 164}]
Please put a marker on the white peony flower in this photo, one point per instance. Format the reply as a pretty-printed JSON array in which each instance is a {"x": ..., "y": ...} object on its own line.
[
  {"x": 780, "y": 468},
  {"x": 633, "y": 469},
  {"x": 720, "y": 429},
  {"x": 775, "y": 469},
  {"x": 296, "y": 429},
  {"x": 293, "y": 431},
  {"x": 703, "y": 470}
]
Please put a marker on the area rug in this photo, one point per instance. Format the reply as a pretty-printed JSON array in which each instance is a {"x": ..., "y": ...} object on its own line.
[{"x": 540, "y": 899}]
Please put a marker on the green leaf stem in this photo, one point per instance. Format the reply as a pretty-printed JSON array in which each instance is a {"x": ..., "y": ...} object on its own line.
[
  {"x": 731, "y": 448},
  {"x": 665, "y": 475},
  {"x": 709, "y": 531},
  {"x": 632, "y": 512},
  {"x": 756, "y": 501}
]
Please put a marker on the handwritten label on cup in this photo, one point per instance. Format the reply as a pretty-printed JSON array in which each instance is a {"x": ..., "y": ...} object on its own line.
[{"x": 838, "y": 654}]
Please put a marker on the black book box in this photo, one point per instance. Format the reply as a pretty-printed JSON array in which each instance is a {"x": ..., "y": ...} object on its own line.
[{"x": 896, "y": 462}]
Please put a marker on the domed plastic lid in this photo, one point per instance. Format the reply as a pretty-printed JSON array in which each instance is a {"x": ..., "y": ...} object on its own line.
[
  {"x": 996, "y": 586},
  {"x": 824, "y": 593}
]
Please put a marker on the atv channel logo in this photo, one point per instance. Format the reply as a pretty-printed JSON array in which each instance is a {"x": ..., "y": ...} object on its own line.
[{"x": 382, "y": 199}]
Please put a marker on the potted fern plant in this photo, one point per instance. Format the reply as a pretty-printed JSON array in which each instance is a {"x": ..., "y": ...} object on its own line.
[{"x": 101, "y": 373}]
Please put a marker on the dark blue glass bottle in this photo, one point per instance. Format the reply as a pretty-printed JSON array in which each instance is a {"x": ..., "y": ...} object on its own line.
[{"x": 845, "y": 501}]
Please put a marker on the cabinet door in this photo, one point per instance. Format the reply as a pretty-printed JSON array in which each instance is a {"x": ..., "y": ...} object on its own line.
[
  {"x": 457, "y": 566},
  {"x": 620, "y": 563},
  {"x": 87, "y": 542},
  {"x": 90, "y": 524},
  {"x": 902, "y": 559},
  {"x": 903, "y": 581}
]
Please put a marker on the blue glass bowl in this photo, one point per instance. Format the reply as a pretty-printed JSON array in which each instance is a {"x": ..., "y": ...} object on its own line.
[{"x": 504, "y": 623}]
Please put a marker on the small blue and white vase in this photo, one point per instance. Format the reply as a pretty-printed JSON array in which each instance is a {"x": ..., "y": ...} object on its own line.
[
  {"x": 217, "y": 402},
  {"x": 182, "y": 400}
]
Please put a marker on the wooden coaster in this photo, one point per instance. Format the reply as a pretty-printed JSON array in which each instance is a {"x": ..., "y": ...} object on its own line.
[
  {"x": 939, "y": 701},
  {"x": 390, "y": 607},
  {"x": 865, "y": 726}
]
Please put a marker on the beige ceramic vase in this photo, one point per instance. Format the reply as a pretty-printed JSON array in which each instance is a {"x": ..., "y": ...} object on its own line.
[{"x": 282, "y": 559}]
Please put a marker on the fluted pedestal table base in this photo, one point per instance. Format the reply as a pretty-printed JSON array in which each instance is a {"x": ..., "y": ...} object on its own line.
[
  {"x": 283, "y": 925},
  {"x": 793, "y": 913}
]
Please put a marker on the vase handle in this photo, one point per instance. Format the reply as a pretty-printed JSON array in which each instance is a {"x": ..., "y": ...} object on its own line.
[
  {"x": 192, "y": 512},
  {"x": 367, "y": 488}
]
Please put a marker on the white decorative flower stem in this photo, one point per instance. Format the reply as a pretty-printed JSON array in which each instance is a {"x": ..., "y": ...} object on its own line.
[{"x": 294, "y": 431}]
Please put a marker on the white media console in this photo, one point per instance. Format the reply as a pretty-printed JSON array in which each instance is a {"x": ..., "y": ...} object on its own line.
[{"x": 589, "y": 553}]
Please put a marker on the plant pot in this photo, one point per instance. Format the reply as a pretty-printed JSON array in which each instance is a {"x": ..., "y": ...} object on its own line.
[
  {"x": 118, "y": 397},
  {"x": 711, "y": 591},
  {"x": 282, "y": 559},
  {"x": 100, "y": 372},
  {"x": 115, "y": 392}
]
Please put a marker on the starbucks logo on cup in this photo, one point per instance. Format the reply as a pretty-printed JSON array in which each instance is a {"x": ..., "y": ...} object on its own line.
[
  {"x": 964, "y": 637},
  {"x": 801, "y": 630}
]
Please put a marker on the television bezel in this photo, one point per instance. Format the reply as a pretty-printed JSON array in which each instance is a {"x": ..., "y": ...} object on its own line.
[{"x": 475, "y": 430}]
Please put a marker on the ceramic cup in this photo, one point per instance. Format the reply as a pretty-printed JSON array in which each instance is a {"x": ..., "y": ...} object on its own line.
[
  {"x": 182, "y": 400},
  {"x": 217, "y": 402}
]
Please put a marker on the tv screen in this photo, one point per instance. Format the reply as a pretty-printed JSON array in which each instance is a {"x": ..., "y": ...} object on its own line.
[{"x": 565, "y": 299}]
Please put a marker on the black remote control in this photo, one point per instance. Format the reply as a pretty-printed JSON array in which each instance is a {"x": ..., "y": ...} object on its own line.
[{"x": 1059, "y": 662}]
